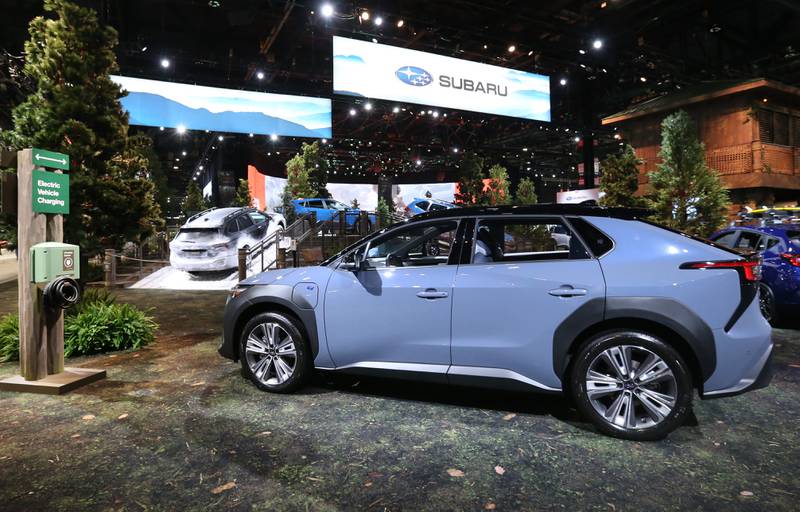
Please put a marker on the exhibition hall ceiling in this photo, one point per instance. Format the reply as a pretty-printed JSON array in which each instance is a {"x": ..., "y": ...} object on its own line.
[{"x": 600, "y": 56}]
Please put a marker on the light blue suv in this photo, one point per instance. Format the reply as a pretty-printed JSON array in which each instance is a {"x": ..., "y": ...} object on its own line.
[{"x": 625, "y": 317}]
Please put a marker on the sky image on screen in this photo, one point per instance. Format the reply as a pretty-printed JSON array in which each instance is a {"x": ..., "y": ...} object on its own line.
[
  {"x": 172, "y": 105},
  {"x": 372, "y": 70}
]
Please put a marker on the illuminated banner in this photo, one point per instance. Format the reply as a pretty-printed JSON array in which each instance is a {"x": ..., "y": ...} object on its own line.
[
  {"x": 194, "y": 107},
  {"x": 374, "y": 70}
]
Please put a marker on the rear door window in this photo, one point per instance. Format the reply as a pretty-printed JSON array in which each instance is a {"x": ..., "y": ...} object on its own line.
[
  {"x": 727, "y": 239},
  {"x": 315, "y": 203},
  {"x": 749, "y": 241},
  {"x": 510, "y": 240},
  {"x": 257, "y": 217},
  {"x": 244, "y": 222}
]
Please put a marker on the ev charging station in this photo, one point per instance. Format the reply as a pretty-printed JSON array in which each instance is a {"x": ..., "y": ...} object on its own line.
[{"x": 48, "y": 273}]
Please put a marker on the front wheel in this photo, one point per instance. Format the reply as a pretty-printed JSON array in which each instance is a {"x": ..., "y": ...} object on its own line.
[
  {"x": 766, "y": 303},
  {"x": 631, "y": 385},
  {"x": 274, "y": 353}
]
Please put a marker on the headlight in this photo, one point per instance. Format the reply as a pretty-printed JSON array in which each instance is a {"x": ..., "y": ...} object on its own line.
[{"x": 238, "y": 290}]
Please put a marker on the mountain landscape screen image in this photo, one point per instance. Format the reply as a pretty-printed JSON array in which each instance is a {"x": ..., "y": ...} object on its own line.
[
  {"x": 173, "y": 105},
  {"x": 372, "y": 70}
]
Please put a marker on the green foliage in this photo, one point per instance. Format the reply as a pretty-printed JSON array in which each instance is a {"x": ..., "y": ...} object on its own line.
[
  {"x": 498, "y": 186},
  {"x": 106, "y": 327},
  {"x": 9, "y": 338},
  {"x": 8, "y": 230},
  {"x": 687, "y": 195},
  {"x": 470, "y": 180},
  {"x": 289, "y": 212},
  {"x": 621, "y": 179},
  {"x": 297, "y": 183},
  {"x": 75, "y": 109},
  {"x": 242, "y": 196},
  {"x": 318, "y": 168},
  {"x": 193, "y": 202},
  {"x": 526, "y": 192},
  {"x": 97, "y": 324},
  {"x": 384, "y": 212}
]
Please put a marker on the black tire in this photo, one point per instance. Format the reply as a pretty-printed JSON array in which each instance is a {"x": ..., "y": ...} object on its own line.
[
  {"x": 766, "y": 303},
  {"x": 301, "y": 370},
  {"x": 647, "y": 426}
]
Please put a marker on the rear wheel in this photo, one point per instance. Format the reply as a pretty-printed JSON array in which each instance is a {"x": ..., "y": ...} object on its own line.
[
  {"x": 274, "y": 353},
  {"x": 631, "y": 385},
  {"x": 766, "y": 302}
]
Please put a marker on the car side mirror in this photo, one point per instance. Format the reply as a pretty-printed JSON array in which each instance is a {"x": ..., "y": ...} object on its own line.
[{"x": 350, "y": 264}]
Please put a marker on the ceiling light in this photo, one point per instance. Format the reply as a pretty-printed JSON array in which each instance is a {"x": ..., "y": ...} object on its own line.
[
  {"x": 400, "y": 23},
  {"x": 144, "y": 49},
  {"x": 582, "y": 52},
  {"x": 378, "y": 21},
  {"x": 563, "y": 81},
  {"x": 220, "y": 138},
  {"x": 512, "y": 49},
  {"x": 352, "y": 111},
  {"x": 162, "y": 128},
  {"x": 455, "y": 150},
  {"x": 485, "y": 46},
  {"x": 597, "y": 44},
  {"x": 183, "y": 153},
  {"x": 714, "y": 28},
  {"x": 180, "y": 129},
  {"x": 577, "y": 139},
  {"x": 165, "y": 63},
  {"x": 642, "y": 79},
  {"x": 396, "y": 110},
  {"x": 273, "y": 137},
  {"x": 250, "y": 135},
  {"x": 418, "y": 162},
  {"x": 367, "y": 106},
  {"x": 435, "y": 114},
  {"x": 200, "y": 167},
  {"x": 365, "y": 15},
  {"x": 260, "y": 75},
  {"x": 326, "y": 10}
]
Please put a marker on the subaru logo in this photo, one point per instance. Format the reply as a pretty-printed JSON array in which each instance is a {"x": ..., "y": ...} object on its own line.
[{"x": 414, "y": 76}]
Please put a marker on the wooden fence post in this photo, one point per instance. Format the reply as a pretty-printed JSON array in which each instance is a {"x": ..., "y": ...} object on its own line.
[
  {"x": 110, "y": 268},
  {"x": 242, "y": 263}
]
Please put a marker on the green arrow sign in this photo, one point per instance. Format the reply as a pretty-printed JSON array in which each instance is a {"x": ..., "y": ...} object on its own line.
[
  {"x": 50, "y": 192},
  {"x": 44, "y": 158}
]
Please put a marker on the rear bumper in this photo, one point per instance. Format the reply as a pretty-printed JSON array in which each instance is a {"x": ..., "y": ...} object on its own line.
[{"x": 762, "y": 380}]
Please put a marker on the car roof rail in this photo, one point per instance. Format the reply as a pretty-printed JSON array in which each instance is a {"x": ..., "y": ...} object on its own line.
[{"x": 198, "y": 215}]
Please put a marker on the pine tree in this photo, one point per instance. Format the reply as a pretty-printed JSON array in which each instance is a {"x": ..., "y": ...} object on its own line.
[
  {"x": 242, "y": 195},
  {"x": 194, "y": 201},
  {"x": 317, "y": 166},
  {"x": 621, "y": 179},
  {"x": 470, "y": 180},
  {"x": 687, "y": 195},
  {"x": 75, "y": 109},
  {"x": 297, "y": 178},
  {"x": 498, "y": 186},
  {"x": 526, "y": 192}
]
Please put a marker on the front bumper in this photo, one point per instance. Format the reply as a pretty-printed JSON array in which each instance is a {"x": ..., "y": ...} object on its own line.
[{"x": 218, "y": 262}]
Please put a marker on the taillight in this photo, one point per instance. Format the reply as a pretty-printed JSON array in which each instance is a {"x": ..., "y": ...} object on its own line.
[
  {"x": 792, "y": 258},
  {"x": 749, "y": 269}
]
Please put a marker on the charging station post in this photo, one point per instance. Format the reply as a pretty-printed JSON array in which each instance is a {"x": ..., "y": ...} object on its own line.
[{"x": 42, "y": 199}]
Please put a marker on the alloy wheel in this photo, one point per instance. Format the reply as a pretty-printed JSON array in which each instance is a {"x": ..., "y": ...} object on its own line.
[
  {"x": 631, "y": 387},
  {"x": 766, "y": 302},
  {"x": 270, "y": 353}
]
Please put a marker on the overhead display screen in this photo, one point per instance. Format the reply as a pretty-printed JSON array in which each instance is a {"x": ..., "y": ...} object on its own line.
[
  {"x": 194, "y": 107},
  {"x": 379, "y": 71}
]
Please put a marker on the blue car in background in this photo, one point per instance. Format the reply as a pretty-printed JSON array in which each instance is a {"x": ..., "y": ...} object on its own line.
[
  {"x": 328, "y": 209},
  {"x": 426, "y": 204},
  {"x": 779, "y": 247}
]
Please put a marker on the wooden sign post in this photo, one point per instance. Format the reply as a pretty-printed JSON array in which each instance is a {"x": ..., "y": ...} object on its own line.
[{"x": 41, "y": 331}]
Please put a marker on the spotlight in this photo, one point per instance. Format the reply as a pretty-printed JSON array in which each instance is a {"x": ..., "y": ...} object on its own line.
[
  {"x": 324, "y": 141},
  {"x": 642, "y": 79},
  {"x": 455, "y": 150},
  {"x": 396, "y": 110},
  {"x": 563, "y": 81},
  {"x": 400, "y": 23},
  {"x": 161, "y": 128},
  {"x": 597, "y": 44},
  {"x": 326, "y": 10},
  {"x": 220, "y": 138},
  {"x": 180, "y": 129},
  {"x": 365, "y": 15},
  {"x": 200, "y": 167},
  {"x": 577, "y": 139},
  {"x": 273, "y": 137},
  {"x": 418, "y": 162},
  {"x": 352, "y": 111},
  {"x": 435, "y": 114},
  {"x": 485, "y": 47},
  {"x": 378, "y": 21},
  {"x": 512, "y": 49},
  {"x": 250, "y": 135},
  {"x": 165, "y": 63},
  {"x": 367, "y": 106},
  {"x": 260, "y": 75},
  {"x": 144, "y": 49},
  {"x": 582, "y": 52},
  {"x": 183, "y": 153}
]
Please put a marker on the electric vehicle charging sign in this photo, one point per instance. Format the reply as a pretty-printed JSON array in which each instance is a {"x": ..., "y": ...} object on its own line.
[
  {"x": 44, "y": 158},
  {"x": 50, "y": 192}
]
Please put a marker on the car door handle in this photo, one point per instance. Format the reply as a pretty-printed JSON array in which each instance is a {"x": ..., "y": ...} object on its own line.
[
  {"x": 567, "y": 291},
  {"x": 432, "y": 293}
]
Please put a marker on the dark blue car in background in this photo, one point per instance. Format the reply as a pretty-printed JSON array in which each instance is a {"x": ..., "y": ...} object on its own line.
[{"x": 779, "y": 247}]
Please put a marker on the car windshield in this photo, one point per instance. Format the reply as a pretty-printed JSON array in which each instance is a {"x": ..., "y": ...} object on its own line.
[
  {"x": 336, "y": 205},
  {"x": 197, "y": 235}
]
